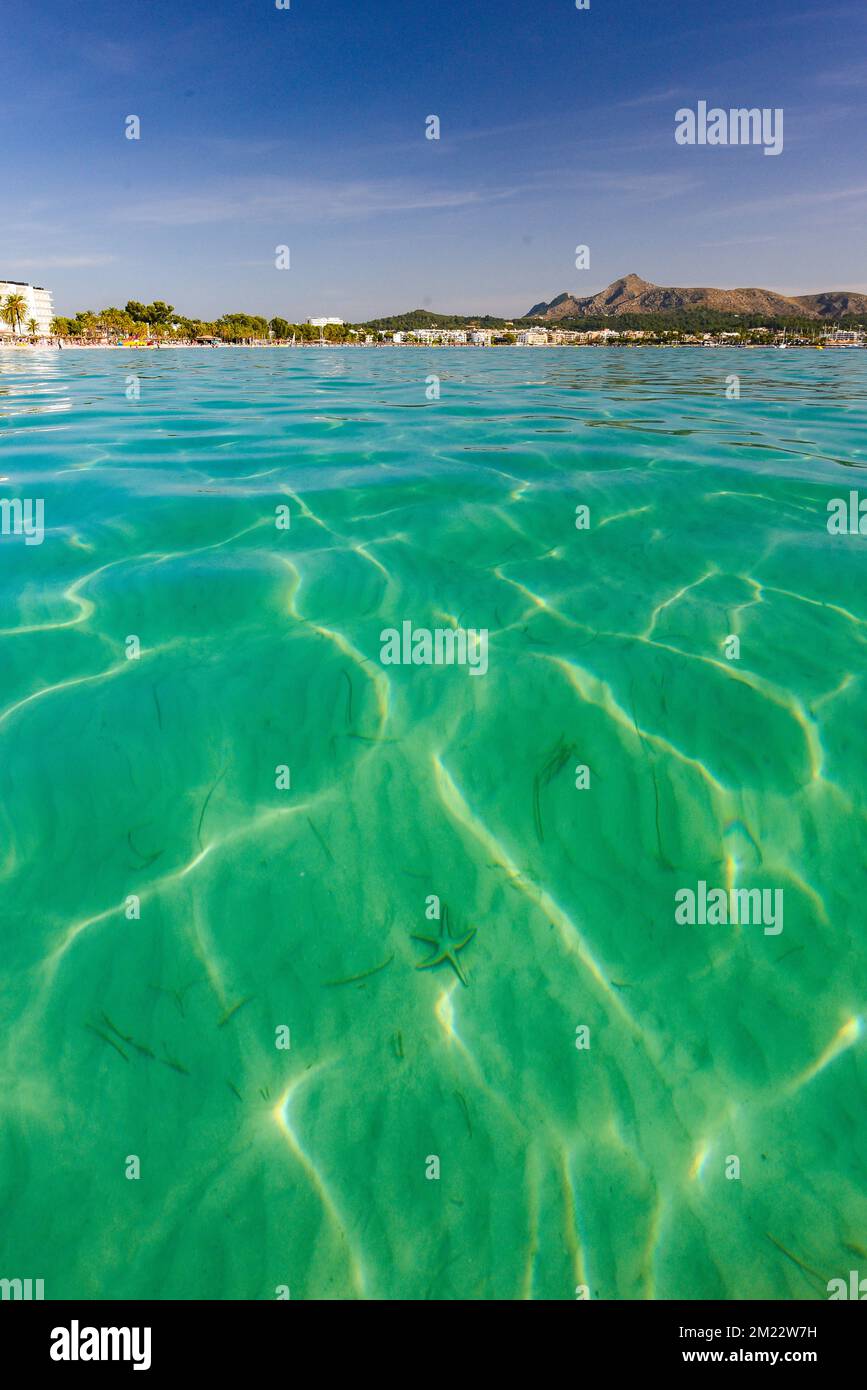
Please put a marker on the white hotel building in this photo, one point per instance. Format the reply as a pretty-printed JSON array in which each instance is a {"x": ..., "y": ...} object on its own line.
[{"x": 39, "y": 307}]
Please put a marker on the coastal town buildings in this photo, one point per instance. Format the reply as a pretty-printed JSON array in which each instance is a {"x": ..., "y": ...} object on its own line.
[
  {"x": 324, "y": 323},
  {"x": 39, "y": 306},
  {"x": 533, "y": 337},
  {"x": 441, "y": 337},
  {"x": 844, "y": 338}
]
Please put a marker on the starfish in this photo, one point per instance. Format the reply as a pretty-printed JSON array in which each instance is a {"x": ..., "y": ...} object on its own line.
[{"x": 445, "y": 948}]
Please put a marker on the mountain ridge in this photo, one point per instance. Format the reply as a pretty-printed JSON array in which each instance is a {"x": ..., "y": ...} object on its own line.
[{"x": 632, "y": 295}]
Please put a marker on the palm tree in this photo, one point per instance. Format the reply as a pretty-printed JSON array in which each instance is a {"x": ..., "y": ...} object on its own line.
[
  {"x": 13, "y": 311},
  {"x": 33, "y": 328}
]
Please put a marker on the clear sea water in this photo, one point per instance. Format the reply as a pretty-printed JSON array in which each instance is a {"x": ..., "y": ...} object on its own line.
[{"x": 154, "y": 778}]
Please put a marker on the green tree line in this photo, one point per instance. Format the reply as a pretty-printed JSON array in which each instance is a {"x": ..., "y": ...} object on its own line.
[
  {"x": 161, "y": 321},
  {"x": 707, "y": 321},
  {"x": 423, "y": 318}
]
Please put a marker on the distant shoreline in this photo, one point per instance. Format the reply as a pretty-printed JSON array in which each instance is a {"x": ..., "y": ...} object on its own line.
[{"x": 54, "y": 347}]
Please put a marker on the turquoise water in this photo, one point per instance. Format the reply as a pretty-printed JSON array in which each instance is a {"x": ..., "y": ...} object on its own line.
[{"x": 153, "y": 777}]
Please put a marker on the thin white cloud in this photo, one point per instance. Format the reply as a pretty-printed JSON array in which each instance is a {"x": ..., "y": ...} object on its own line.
[
  {"x": 854, "y": 75},
  {"x": 298, "y": 202},
  {"x": 807, "y": 198},
  {"x": 62, "y": 262},
  {"x": 740, "y": 241},
  {"x": 651, "y": 98},
  {"x": 639, "y": 187},
  {"x": 109, "y": 55}
]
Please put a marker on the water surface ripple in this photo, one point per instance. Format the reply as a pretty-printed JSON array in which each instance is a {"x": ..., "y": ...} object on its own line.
[{"x": 168, "y": 908}]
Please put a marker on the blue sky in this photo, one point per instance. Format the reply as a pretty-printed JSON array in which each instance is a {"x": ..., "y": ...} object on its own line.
[{"x": 306, "y": 127}]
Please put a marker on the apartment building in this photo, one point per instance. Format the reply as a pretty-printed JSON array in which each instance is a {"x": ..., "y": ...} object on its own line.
[{"x": 39, "y": 307}]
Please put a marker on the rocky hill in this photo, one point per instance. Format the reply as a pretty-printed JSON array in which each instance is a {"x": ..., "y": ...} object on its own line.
[{"x": 632, "y": 295}]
